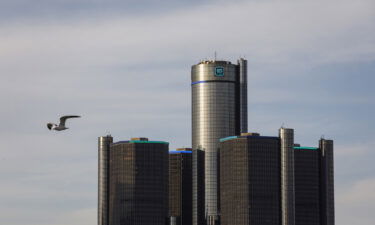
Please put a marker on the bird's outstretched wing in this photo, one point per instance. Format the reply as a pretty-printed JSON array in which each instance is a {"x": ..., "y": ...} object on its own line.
[
  {"x": 64, "y": 118},
  {"x": 49, "y": 125}
]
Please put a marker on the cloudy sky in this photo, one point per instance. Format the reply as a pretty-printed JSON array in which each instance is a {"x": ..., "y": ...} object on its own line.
[{"x": 125, "y": 67}]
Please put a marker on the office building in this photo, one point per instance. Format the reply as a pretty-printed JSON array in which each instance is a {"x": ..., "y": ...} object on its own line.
[
  {"x": 228, "y": 177},
  {"x": 180, "y": 186},
  {"x": 198, "y": 187},
  {"x": 138, "y": 182},
  {"x": 327, "y": 182},
  {"x": 250, "y": 180},
  {"x": 314, "y": 184},
  {"x": 103, "y": 179},
  {"x": 219, "y": 109},
  {"x": 307, "y": 185}
]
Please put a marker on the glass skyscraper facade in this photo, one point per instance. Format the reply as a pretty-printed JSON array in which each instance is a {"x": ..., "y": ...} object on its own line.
[
  {"x": 103, "y": 179},
  {"x": 307, "y": 185},
  {"x": 228, "y": 177},
  {"x": 327, "y": 182},
  {"x": 180, "y": 187},
  {"x": 219, "y": 99},
  {"x": 198, "y": 187},
  {"x": 138, "y": 184},
  {"x": 314, "y": 184},
  {"x": 250, "y": 180}
]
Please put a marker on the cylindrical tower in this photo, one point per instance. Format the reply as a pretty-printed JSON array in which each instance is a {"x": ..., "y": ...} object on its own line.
[
  {"x": 103, "y": 179},
  {"x": 242, "y": 64},
  {"x": 215, "y": 115},
  {"x": 327, "y": 182},
  {"x": 287, "y": 176}
]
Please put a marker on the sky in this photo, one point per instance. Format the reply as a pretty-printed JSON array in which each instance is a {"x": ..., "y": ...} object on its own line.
[{"x": 124, "y": 66}]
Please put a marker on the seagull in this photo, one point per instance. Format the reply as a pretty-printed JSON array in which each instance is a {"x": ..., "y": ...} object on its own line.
[{"x": 61, "y": 126}]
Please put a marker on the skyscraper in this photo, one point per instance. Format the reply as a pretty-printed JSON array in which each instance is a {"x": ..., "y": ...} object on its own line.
[
  {"x": 307, "y": 185},
  {"x": 250, "y": 180},
  {"x": 327, "y": 183},
  {"x": 198, "y": 187},
  {"x": 228, "y": 177},
  {"x": 314, "y": 184},
  {"x": 103, "y": 179},
  {"x": 180, "y": 186},
  {"x": 219, "y": 109},
  {"x": 287, "y": 176},
  {"x": 138, "y": 182}
]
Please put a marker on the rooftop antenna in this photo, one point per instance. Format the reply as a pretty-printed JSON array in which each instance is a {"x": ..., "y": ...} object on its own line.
[
  {"x": 282, "y": 125},
  {"x": 215, "y": 55},
  {"x": 322, "y": 137}
]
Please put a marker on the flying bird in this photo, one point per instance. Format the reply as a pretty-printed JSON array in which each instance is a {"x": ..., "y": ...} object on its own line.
[{"x": 61, "y": 126}]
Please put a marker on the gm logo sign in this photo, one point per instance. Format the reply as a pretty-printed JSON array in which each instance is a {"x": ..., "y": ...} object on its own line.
[{"x": 219, "y": 71}]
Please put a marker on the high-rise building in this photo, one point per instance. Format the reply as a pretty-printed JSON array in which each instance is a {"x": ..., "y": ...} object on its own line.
[
  {"x": 314, "y": 184},
  {"x": 250, "y": 180},
  {"x": 103, "y": 179},
  {"x": 219, "y": 109},
  {"x": 138, "y": 182},
  {"x": 180, "y": 186},
  {"x": 307, "y": 185},
  {"x": 287, "y": 176},
  {"x": 198, "y": 187},
  {"x": 228, "y": 177},
  {"x": 327, "y": 183}
]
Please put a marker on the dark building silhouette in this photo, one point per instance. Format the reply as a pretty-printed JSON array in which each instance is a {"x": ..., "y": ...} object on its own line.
[
  {"x": 314, "y": 184},
  {"x": 327, "y": 182},
  {"x": 198, "y": 216},
  {"x": 250, "y": 180},
  {"x": 180, "y": 186},
  {"x": 307, "y": 185},
  {"x": 138, "y": 182}
]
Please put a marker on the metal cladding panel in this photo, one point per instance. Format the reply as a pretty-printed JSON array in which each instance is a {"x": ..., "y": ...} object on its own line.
[
  {"x": 103, "y": 179},
  {"x": 287, "y": 176},
  {"x": 327, "y": 183},
  {"x": 243, "y": 94},
  {"x": 206, "y": 71},
  {"x": 213, "y": 117}
]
